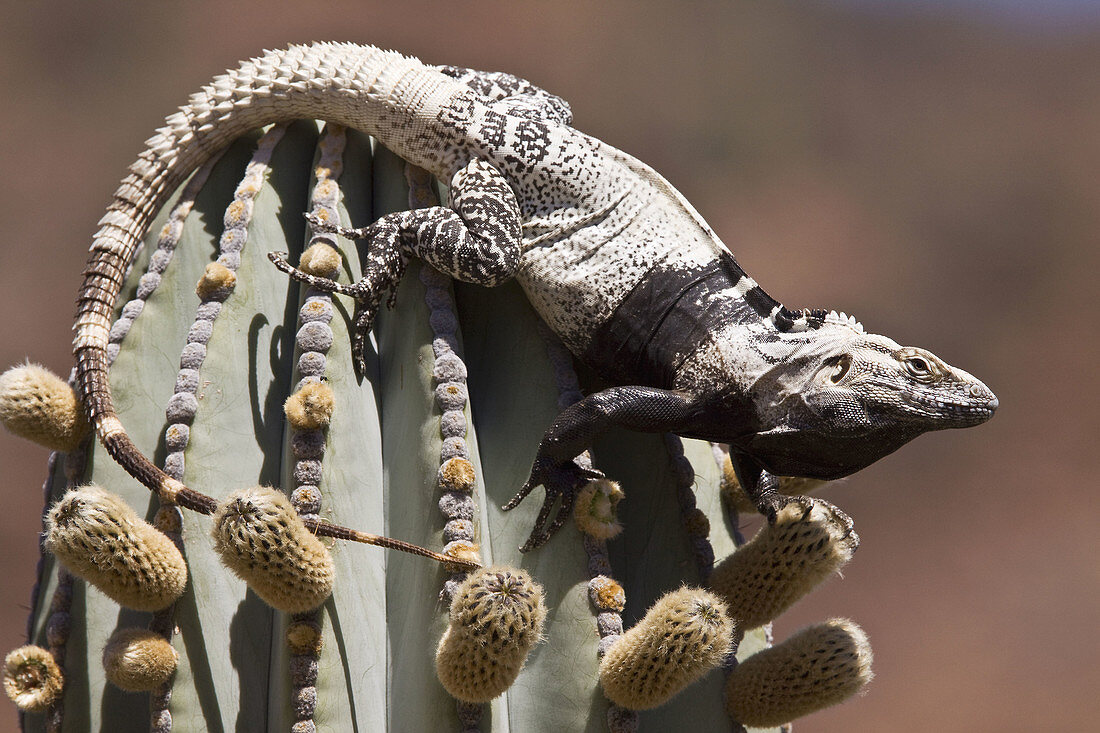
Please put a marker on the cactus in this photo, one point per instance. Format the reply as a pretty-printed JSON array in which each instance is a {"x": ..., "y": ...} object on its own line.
[{"x": 247, "y": 379}]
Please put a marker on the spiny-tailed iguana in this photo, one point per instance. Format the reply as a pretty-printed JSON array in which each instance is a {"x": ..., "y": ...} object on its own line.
[{"x": 611, "y": 256}]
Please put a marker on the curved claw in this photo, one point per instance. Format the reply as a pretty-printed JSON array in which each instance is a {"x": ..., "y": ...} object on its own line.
[
  {"x": 561, "y": 482},
  {"x": 320, "y": 225}
]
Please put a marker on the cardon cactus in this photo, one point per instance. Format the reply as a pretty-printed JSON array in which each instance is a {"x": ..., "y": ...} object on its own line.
[{"x": 230, "y": 375}]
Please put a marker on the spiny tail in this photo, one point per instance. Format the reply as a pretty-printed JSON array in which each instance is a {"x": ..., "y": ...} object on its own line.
[{"x": 385, "y": 94}]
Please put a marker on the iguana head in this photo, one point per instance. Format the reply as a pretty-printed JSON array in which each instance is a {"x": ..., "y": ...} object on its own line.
[{"x": 841, "y": 399}]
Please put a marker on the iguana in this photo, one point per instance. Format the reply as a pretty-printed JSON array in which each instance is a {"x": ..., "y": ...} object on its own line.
[{"x": 611, "y": 256}]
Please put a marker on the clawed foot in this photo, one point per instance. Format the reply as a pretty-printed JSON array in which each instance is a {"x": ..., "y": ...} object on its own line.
[
  {"x": 320, "y": 225},
  {"x": 807, "y": 504},
  {"x": 561, "y": 481}
]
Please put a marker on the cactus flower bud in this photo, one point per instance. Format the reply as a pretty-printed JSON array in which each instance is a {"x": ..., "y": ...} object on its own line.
[
  {"x": 38, "y": 405},
  {"x": 32, "y": 678},
  {"x": 139, "y": 660},
  {"x": 260, "y": 537},
  {"x": 311, "y": 407},
  {"x": 817, "y": 667},
  {"x": 594, "y": 509},
  {"x": 684, "y": 635},
  {"x": 320, "y": 259},
  {"x": 98, "y": 537},
  {"x": 496, "y": 617},
  {"x": 783, "y": 562}
]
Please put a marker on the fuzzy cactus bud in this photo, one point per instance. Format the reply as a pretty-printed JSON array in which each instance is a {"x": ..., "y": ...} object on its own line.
[
  {"x": 98, "y": 537},
  {"x": 594, "y": 509},
  {"x": 817, "y": 667},
  {"x": 457, "y": 474},
  {"x": 216, "y": 281},
  {"x": 38, "y": 405},
  {"x": 32, "y": 678},
  {"x": 311, "y": 407},
  {"x": 139, "y": 660},
  {"x": 496, "y": 617},
  {"x": 685, "y": 634},
  {"x": 260, "y": 537},
  {"x": 732, "y": 492},
  {"x": 784, "y": 562},
  {"x": 320, "y": 259}
]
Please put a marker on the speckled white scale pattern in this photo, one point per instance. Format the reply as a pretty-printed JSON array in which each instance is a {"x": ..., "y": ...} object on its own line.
[{"x": 595, "y": 221}]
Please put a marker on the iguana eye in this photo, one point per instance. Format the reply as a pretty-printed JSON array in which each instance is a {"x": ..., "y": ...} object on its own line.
[
  {"x": 918, "y": 367},
  {"x": 841, "y": 368}
]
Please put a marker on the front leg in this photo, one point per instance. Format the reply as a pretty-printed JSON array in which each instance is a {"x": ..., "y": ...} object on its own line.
[
  {"x": 762, "y": 488},
  {"x": 645, "y": 409}
]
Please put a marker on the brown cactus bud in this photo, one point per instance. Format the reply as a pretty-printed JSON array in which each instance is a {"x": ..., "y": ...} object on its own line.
[
  {"x": 685, "y": 634},
  {"x": 594, "y": 509},
  {"x": 783, "y": 562},
  {"x": 496, "y": 617},
  {"x": 465, "y": 552},
  {"x": 457, "y": 474},
  {"x": 139, "y": 660},
  {"x": 263, "y": 541},
  {"x": 320, "y": 259},
  {"x": 304, "y": 637},
  {"x": 817, "y": 667},
  {"x": 32, "y": 679},
  {"x": 217, "y": 279},
  {"x": 311, "y": 407},
  {"x": 38, "y": 405},
  {"x": 733, "y": 493},
  {"x": 98, "y": 537}
]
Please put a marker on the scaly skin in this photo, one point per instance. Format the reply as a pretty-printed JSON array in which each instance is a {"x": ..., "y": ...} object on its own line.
[{"x": 613, "y": 258}]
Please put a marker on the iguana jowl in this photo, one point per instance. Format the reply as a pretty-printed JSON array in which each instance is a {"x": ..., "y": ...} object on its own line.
[{"x": 613, "y": 258}]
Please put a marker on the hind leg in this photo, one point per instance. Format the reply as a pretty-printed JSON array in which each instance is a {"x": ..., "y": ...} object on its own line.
[{"x": 477, "y": 240}]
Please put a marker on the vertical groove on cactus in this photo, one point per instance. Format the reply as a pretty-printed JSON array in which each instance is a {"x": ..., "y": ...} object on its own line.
[
  {"x": 607, "y": 596},
  {"x": 309, "y": 410},
  {"x": 695, "y": 521},
  {"x": 218, "y": 281},
  {"x": 451, "y": 391}
]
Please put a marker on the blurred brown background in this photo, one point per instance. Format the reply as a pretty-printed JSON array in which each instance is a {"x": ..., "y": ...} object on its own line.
[{"x": 933, "y": 171}]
